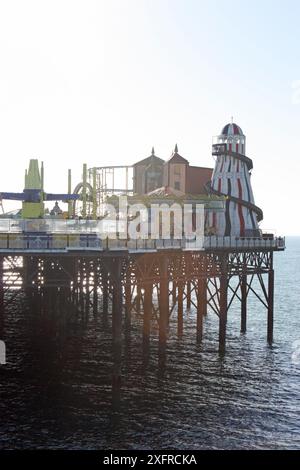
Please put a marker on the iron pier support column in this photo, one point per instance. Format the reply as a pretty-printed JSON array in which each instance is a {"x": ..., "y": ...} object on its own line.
[
  {"x": 104, "y": 290},
  {"x": 73, "y": 263},
  {"x": 32, "y": 268},
  {"x": 95, "y": 285},
  {"x": 180, "y": 309},
  {"x": 117, "y": 301},
  {"x": 163, "y": 299},
  {"x": 148, "y": 288},
  {"x": 116, "y": 321},
  {"x": 188, "y": 295},
  {"x": 76, "y": 283},
  {"x": 201, "y": 307},
  {"x": 223, "y": 305},
  {"x": 81, "y": 286},
  {"x": 138, "y": 296},
  {"x": 87, "y": 287},
  {"x": 174, "y": 292},
  {"x": 270, "y": 305},
  {"x": 243, "y": 302},
  {"x": 128, "y": 298}
]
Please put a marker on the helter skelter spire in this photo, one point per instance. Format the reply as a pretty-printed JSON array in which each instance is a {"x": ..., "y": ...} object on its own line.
[{"x": 231, "y": 178}]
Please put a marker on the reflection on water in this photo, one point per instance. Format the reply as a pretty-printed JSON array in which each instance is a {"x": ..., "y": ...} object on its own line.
[{"x": 61, "y": 387}]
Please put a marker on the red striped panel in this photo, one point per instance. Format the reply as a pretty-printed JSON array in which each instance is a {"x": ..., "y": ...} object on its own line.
[
  {"x": 240, "y": 210},
  {"x": 219, "y": 184},
  {"x": 214, "y": 220},
  {"x": 222, "y": 164}
]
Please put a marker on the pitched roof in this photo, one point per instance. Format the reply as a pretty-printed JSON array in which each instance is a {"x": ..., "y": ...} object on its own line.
[
  {"x": 153, "y": 159},
  {"x": 176, "y": 158}
]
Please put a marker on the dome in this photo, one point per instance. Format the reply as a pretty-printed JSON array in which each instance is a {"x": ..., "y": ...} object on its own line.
[{"x": 232, "y": 129}]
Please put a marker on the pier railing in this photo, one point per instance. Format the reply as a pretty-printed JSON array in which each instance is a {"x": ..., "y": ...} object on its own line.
[
  {"x": 48, "y": 225},
  {"x": 82, "y": 242}
]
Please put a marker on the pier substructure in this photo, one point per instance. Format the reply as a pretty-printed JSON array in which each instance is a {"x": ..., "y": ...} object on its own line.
[{"x": 150, "y": 286}]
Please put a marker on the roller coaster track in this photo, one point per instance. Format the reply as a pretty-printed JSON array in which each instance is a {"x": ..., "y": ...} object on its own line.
[{"x": 220, "y": 149}]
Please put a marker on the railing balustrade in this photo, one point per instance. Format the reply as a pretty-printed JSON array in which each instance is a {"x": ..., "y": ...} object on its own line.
[{"x": 84, "y": 241}]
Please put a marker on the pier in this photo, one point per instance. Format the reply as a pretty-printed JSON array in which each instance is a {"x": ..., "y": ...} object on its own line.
[
  {"x": 80, "y": 273},
  {"x": 67, "y": 262}
]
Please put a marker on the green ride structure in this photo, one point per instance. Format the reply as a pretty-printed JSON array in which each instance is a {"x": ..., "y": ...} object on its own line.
[{"x": 33, "y": 196}]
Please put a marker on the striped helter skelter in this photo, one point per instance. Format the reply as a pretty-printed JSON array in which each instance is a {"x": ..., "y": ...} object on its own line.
[{"x": 231, "y": 178}]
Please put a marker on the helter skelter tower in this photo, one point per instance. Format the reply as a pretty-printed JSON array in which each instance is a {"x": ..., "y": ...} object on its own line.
[{"x": 231, "y": 178}]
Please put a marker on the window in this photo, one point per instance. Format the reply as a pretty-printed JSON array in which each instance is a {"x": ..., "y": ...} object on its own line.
[
  {"x": 177, "y": 185},
  {"x": 177, "y": 170}
]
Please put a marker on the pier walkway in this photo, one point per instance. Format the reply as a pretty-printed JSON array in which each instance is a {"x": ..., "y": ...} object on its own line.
[{"x": 27, "y": 242}]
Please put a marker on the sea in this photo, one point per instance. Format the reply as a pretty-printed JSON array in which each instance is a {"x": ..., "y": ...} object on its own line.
[{"x": 56, "y": 388}]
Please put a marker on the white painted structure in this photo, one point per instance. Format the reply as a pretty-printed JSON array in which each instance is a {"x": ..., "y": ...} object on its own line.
[{"x": 231, "y": 178}]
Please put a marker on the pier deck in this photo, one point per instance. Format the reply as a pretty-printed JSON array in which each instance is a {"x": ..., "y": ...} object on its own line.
[{"x": 60, "y": 242}]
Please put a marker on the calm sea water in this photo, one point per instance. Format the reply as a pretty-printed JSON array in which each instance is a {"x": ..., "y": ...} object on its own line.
[{"x": 56, "y": 388}]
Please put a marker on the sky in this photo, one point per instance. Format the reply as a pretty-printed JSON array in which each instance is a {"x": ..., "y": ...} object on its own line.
[{"x": 103, "y": 81}]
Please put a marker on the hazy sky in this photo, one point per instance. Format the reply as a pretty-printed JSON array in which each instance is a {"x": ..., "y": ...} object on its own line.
[{"x": 102, "y": 81}]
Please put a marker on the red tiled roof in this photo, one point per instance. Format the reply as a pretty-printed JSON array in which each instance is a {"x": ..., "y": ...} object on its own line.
[
  {"x": 166, "y": 191},
  {"x": 176, "y": 158}
]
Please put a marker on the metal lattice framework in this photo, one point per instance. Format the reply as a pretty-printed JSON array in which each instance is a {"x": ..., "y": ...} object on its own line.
[
  {"x": 152, "y": 286},
  {"x": 110, "y": 180}
]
